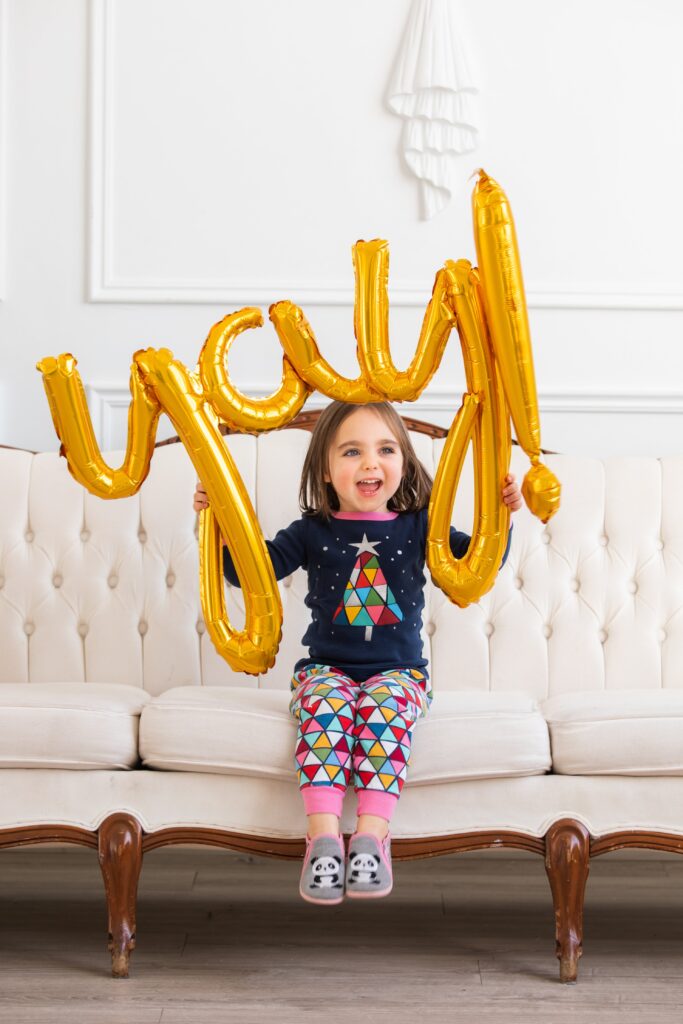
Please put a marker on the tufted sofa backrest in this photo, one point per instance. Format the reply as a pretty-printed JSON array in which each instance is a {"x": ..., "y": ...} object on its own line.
[{"x": 107, "y": 591}]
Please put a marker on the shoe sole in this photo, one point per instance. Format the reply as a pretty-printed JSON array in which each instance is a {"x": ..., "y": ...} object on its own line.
[
  {"x": 321, "y": 903},
  {"x": 351, "y": 895}
]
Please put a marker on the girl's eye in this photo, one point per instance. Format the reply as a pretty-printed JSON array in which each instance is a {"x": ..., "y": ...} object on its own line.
[{"x": 385, "y": 449}]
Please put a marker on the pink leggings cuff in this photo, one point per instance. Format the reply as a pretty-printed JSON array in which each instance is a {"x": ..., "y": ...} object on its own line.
[
  {"x": 371, "y": 801},
  {"x": 330, "y": 800},
  {"x": 323, "y": 799}
]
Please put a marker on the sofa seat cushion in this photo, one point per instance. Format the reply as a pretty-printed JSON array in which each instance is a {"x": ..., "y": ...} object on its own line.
[
  {"x": 69, "y": 725},
  {"x": 251, "y": 732},
  {"x": 616, "y": 732},
  {"x": 473, "y": 734}
]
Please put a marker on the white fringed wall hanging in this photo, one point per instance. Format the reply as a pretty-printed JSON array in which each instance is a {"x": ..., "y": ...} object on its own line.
[{"x": 433, "y": 89}]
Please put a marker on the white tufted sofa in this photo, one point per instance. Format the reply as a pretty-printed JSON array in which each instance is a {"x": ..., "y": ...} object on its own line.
[{"x": 121, "y": 729}]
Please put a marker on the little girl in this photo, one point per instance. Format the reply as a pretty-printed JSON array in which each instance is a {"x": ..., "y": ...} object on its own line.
[{"x": 357, "y": 696}]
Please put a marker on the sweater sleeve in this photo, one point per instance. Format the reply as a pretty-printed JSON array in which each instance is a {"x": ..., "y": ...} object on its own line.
[
  {"x": 287, "y": 551},
  {"x": 460, "y": 543},
  {"x": 507, "y": 547}
]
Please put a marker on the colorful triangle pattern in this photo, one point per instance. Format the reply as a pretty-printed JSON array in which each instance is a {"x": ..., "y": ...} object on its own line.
[
  {"x": 344, "y": 731},
  {"x": 323, "y": 749},
  {"x": 368, "y": 600}
]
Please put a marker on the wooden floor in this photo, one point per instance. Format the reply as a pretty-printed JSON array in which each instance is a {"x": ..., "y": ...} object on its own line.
[{"x": 225, "y": 938}]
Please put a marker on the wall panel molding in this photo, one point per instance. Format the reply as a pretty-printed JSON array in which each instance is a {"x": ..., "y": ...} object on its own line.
[
  {"x": 106, "y": 286},
  {"x": 3, "y": 149},
  {"x": 107, "y": 403},
  {"x": 99, "y": 117}
]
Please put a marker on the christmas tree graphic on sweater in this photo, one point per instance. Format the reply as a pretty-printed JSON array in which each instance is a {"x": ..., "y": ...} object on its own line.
[{"x": 368, "y": 600}]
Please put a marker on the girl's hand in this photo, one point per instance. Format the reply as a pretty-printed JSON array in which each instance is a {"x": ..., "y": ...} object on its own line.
[
  {"x": 512, "y": 496},
  {"x": 201, "y": 500}
]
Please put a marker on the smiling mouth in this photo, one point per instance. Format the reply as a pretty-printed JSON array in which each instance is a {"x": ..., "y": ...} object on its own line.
[{"x": 369, "y": 486}]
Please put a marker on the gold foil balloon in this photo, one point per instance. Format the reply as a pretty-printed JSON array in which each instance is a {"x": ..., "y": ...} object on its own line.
[
  {"x": 483, "y": 419},
  {"x": 371, "y": 324},
  {"x": 379, "y": 380},
  {"x": 301, "y": 348},
  {"x": 160, "y": 382},
  {"x": 72, "y": 422},
  {"x": 252, "y": 649},
  {"x": 236, "y": 410},
  {"x": 541, "y": 491},
  {"x": 489, "y": 310},
  {"x": 506, "y": 314}
]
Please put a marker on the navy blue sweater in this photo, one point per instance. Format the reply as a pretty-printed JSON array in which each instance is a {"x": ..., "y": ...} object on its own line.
[{"x": 365, "y": 587}]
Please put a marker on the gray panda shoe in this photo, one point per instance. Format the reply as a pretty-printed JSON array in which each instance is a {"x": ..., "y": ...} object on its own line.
[
  {"x": 368, "y": 867},
  {"x": 322, "y": 876}
]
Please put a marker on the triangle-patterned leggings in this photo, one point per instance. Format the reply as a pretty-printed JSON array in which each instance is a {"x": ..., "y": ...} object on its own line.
[{"x": 354, "y": 729}]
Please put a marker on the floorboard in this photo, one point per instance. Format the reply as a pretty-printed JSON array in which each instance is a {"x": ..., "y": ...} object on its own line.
[{"x": 224, "y": 937}]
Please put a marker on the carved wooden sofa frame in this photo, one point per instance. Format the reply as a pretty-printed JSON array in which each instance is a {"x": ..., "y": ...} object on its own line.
[{"x": 121, "y": 843}]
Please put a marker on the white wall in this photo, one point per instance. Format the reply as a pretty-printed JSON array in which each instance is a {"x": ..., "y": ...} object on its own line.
[{"x": 166, "y": 162}]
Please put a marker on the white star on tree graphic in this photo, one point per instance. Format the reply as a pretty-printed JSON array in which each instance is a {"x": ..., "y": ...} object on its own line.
[{"x": 366, "y": 545}]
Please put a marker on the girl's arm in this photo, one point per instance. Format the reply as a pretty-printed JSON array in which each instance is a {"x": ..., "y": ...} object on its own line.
[
  {"x": 512, "y": 498},
  {"x": 461, "y": 541},
  {"x": 287, "y": 551}
]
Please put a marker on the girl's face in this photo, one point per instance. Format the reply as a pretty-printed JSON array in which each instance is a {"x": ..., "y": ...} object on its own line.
[{"x": 365, "y": 463}]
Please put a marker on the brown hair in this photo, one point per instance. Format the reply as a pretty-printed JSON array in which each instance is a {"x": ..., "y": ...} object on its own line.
[{"x": 317, "y": 497}]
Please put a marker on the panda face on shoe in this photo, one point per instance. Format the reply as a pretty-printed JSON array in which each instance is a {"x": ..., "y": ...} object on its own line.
[
  {"x": 363, "y": 867},
  {"x": 326, "y": 871},
  {"x": 326, "y": 865}
]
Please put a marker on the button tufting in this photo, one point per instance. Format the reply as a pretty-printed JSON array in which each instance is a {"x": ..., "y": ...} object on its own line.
[
  {"x": 85, "y": 535},
  {"x": 201, "y": 628},
  {"x": 142, "y": 627},
  {"x": 29, "y": 536},
  {"x": 574, "y": 584},
  {"x": 633, "y": 587},
  {"x": 2, "y": 582},
  {"x": 545, "y": 537},
  {"x": 287, "y": 581},
  {"x": 113, "y": 580},
  {"x": 57, "y": 580},
  {"x": 170, "y": 579},
  {"x": 519, "y": 582},
  {"x": 661, "y": 635},
  {"x": 659, "y": 544},
  {"x": 29, "y": 628},
  {"x": 142, "y": 537},
  {"x": 604, "y": 541},
  {"x": 547, "y": 631},
  {"x": 602, "y": 636},
  {"x": 489, "y": 629},
  {"x": 430, "y": 629},
  {"x": 83, "y": 629}
]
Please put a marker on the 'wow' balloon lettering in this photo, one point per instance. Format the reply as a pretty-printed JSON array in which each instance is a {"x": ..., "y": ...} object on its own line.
[{"x": 486, "y": 306}]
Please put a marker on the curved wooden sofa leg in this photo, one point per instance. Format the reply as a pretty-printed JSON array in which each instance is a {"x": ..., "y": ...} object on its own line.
[
  {"x": 567, "y": 859},
  {"x": 120, "y": 852}
]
